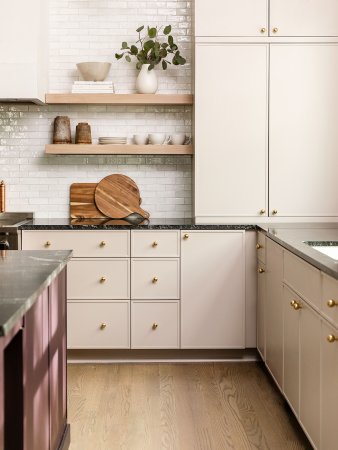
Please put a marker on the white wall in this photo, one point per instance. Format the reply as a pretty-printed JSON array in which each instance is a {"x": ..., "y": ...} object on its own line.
[{"x": 82, "y": 30}]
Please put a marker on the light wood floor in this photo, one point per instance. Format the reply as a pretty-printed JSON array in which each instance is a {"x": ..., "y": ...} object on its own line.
[{"x": 178, "y": 406}]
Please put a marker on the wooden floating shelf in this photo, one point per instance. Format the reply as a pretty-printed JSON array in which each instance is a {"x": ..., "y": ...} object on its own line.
[
  {"x": 119, "y": 99},
  {"x": 112, "y": 149}
]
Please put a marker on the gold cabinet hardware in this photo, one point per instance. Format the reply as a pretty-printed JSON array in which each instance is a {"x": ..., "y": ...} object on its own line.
[
  {"x": 155, "y": 280},
  {"x": 296, "y": 305},
  {"x": 103, "y": 326},
  {"x": 155, "y": 326},
  {"x": 260, "y": 270},
  {"x": 263, "y": 30},
  {"x": 102, "y": 244},
  {"x": 262, "y": 211},
  {"x": 332, "y": 303},
  {"x": 258, "y": 246},
  {"x": 48, "y": 244},
  {"x": 103, "y": 279},
  {"x": 155, "y": 244},
  {"x": 186, "y": 236},
  {"x": 275, "y": 30},
  {"x": 274, "y": 212},
  {"x": 332, "y": 338}
]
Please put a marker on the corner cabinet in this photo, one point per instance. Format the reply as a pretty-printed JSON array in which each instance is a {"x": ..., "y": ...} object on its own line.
[{"x": 212, "y": 289}]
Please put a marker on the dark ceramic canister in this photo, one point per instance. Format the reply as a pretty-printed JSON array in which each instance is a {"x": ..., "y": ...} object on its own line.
[
  {"x": 62, "y": 133},
  {"x": 83, "y": 134}
]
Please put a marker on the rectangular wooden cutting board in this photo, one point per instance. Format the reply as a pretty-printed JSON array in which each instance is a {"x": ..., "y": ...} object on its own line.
[{"x": 82, "y": 201}]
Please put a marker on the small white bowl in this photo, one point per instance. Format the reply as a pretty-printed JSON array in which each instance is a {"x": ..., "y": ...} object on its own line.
[
  {"x": 141, "y": 139},
  {"x": 94, "y": 71},
  {"x": 177, "y": 139},
  {"x": 157, "y": 138}
]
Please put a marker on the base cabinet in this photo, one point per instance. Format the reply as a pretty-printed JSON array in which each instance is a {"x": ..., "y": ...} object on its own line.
[{"x": 212, "y": 289}]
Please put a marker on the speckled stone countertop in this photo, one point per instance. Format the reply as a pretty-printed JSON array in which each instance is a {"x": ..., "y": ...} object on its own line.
[
  {"x": 112, "y": 224},
  {"x": 23, "y": 277},
  {"x": 294, "y": 236}
]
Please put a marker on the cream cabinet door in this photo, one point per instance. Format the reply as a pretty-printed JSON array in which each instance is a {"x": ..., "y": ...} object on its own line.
[
  {"x": 230, "y": 130},
  {"x": 329, "y": 389},
  {"x": 274, "y": 310},
  {"x": 261, "y": 310},
  {"x": 231, "y": 17},
  {"x": 303, "y": 17},
  {"x": 212, "y": 289},
  {"x": 303, "y": 157}
]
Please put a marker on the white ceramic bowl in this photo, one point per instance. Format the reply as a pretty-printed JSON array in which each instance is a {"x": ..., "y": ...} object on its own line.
[
  {"x": 157, "y": 138},
  {"x": 177, "y": 139},
  {"x": 141, "y": 139},
  {"x": 94, "y": 71}
]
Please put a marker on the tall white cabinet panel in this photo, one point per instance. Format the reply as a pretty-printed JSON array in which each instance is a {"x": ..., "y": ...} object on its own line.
[
  {"x": 213, "y": 289},
  {"x": 303, "y": 157},
  {"x": 231, "y": 17},
  {"x": 303, "y": 17},
  {"x": 231, "y": 85}
]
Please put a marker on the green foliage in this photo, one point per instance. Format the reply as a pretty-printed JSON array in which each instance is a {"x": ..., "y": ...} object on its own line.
[{"x": 149, "y": 49}]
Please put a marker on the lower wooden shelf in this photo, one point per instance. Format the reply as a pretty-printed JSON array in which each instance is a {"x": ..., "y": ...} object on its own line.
[{"x": 96, "y": 149}]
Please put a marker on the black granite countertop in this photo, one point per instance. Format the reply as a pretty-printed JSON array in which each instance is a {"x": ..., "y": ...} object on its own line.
[
  {"x": 113, "y": 224},
  {"x": 23, "y": 277},
  {"x": 294, "y": 236}
]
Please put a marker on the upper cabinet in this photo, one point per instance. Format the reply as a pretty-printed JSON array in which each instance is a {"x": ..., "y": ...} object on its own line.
[
  {"x": 231, "y": 17},
  {"x": 303, "y": 17},
  {"x": 24, "y": 50},
  {"x": 217, "y": 18}
]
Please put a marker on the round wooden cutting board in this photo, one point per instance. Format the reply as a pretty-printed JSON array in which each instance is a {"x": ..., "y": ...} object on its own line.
[{"x": 117, "y": 196}]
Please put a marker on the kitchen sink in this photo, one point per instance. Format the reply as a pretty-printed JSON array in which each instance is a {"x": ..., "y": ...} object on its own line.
[{"x": 328, "y": 248}]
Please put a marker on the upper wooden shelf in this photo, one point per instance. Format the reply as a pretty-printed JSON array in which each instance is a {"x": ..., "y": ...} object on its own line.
[
  {"x": 96, "y": 149},
  {"x": 120, "y": 99}
]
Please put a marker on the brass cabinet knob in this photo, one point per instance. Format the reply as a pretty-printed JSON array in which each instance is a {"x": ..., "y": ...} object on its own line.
[
  {"x": 332, "y": 303},
  {"x": 263, "y": 30},
  {"x": 103, "y": 279},
  {"x": 296, "y": 305},
  {"x": 102, "y": 244},
  {"x": 260, "y": 270},
  {"x": 332, "y": 338},
  {"x": 103, "y": 326},
  {"x": 48, "y": 244},
  {"x": 275, "y": 30},
  {"x": 258, "y": 246},
  {"x": 262, "y": 211},
  {"x": 155, "y": 280},
  {"x": 155, "y": 244},
  {"x": 186, "y": 236},
  {"x": 155, "y": 326},
  {"x": 274, "y": 212}
]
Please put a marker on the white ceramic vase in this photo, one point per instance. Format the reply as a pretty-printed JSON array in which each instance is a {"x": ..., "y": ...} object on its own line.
[{"x": 146, "y": 82}]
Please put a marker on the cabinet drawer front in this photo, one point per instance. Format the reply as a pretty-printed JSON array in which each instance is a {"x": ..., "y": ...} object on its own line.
[
  {"x": 163, "y": 244},
  {"x": 83, "y": 243},
  {"x": 329, "y": 304},
  {"x": 260, "y": 246},
  {"x": 155, "y": 279},
  {"x": 302, "y": 278},
  {"x": 98, "y": 324},
  {"x": 102, "y": 279},
  {"x": 155, "y": 324}
]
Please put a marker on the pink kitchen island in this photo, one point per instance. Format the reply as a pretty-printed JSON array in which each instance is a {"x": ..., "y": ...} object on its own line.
[{"x": 33, "y": 374}]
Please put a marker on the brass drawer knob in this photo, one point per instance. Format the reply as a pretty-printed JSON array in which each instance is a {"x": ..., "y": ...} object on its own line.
[
  {"x": 258, "y": 246},
  {"x": 102, "y": 244},
  {"x": 274, "y": 212},
  {"x": 103, "y": 279},
  {"x": 155, "y": 280},
  {"x": 262, "y": 211},
  {"x": 275, "y": 30},
  {"x": 332, "y": 303},
  {"x": 48, "y": 244},
  {"x": 296, "y": 305},
  {"x": 155, "y": 326},
  {"x": 263, "y": 30},
  {"x": 103, "y": 326},
  {"x": 332, "y": 338},
  {"x": 260, "y": 270},
  {"x": 186, "y": 236},
  {"x": 155, "y": 244}
]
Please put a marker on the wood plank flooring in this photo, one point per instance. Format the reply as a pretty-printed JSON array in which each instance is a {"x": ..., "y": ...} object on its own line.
[{"x": 195, "y": 406}]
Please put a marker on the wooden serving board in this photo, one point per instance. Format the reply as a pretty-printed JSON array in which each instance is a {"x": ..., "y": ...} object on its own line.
[
  {"x": 82, "y": 201},
  {"x": 117, "y": 196}
]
